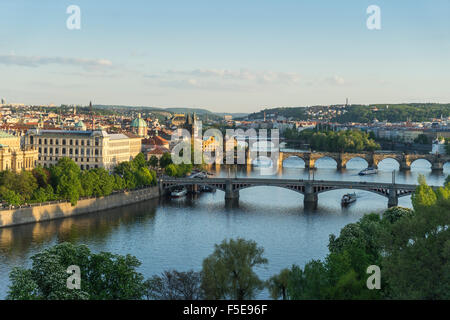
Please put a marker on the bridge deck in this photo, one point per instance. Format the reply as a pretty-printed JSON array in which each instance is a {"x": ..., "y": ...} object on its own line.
[{"x": 283, "y": 182}]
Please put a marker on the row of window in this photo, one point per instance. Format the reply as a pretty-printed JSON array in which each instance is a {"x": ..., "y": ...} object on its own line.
[
  {"x": 71, "y": 142},
  {"x": 71, "y": 151},
  {"x": 56, "y": 158}
]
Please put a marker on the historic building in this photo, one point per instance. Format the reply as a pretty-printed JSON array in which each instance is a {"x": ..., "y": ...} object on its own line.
[
  {"x": 139, "y": 126},
  {"x": 13, "y": 157},
  {"x": 89, "y": 149}
]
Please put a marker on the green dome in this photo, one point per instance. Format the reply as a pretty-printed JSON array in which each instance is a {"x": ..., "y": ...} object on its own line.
[
  {"x": 138, "y": 122},
  {"x": 79, "y": 124}
]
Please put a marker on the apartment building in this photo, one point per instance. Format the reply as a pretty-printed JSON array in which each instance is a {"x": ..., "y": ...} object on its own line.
[{"x": 89, "y": 149}]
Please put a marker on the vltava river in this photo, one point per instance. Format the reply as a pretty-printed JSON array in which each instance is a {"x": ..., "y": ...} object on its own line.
[{"x": 179, "y": 234}]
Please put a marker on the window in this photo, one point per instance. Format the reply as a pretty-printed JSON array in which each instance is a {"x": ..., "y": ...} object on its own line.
[
  {"x": 51, "y": 150},
  {"x": 76, "y": 151},
  {"x": 63, "y": 150},
  {"x": 71, "y": 142},
  {"x": 88, "y": 142},
  {"x": 31, "y": 140},
  {"x": 96, "y": 152},
  {"x": 56, "y": 150},
  {"x": 64, "y": 142},
  {"x": 96, "y": 142},
  {"x": 82, "y": 142},
  {"x": 40, "y": 141},
  {"x": 40, "y": 150},
  {"x": 45, "y": 141},
  {"x": 76, "y": 142},
  {"x": 51, "y": 141},
  {"x": 45, "y": 150},
  {"x": 71, "y": 151},
  {"x": 56, "y": 141}
]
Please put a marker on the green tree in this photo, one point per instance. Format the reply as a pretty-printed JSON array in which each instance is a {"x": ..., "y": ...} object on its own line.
[
  {"x": 174, "y": 285},
  {"x": 424, "y": 195},
  {"x": 153, "y": 162},
  {"x": 416, "y": 264},
  {"x": 65, "y": 177},
  {"x": 228, "y": 272},
  {"x": 10, "y": 197},
  {"x": 165, "y": 160},
  {"x": 278, "y": 284},
  {"x": 103, "y": 275},
  {"x": 172, "y": 170},
  {"x": 139, "y": 161}
]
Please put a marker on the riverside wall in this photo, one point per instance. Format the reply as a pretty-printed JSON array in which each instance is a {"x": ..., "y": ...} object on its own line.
[{"x": 44, "y": 212}]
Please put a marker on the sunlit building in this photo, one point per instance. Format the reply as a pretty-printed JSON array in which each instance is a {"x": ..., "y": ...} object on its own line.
[{"x": 89, "y": 149}]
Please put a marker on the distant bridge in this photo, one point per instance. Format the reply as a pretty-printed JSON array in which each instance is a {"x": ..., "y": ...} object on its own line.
[
  {"x": 309, "y": 188},
  {"x": 373, "y": 158}
]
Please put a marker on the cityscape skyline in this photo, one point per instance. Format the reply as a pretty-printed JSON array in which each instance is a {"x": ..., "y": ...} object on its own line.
[{"x": 229, "y": 57}]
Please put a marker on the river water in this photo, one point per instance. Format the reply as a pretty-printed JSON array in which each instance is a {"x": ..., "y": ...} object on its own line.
[{"x": 179, "y": 234}]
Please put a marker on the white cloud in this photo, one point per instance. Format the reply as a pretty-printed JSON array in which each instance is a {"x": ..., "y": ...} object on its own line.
[
  {"x": 36, "y": 61},
  {"x": 269, "y": 77},
  {"x": 336, "y": 80}
]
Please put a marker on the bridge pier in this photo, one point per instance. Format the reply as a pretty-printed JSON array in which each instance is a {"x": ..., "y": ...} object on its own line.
[
  {"x": 393, "y": 198},
  {"x": 230, "y": 193},
  {"x": 310, "y": 200},
  {"x": 437, "y": 165}
]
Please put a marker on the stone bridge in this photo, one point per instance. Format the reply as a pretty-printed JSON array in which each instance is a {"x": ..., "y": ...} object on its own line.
[
  {"x": 309, "y": 188},
  {"x": 373, "y": 158}
]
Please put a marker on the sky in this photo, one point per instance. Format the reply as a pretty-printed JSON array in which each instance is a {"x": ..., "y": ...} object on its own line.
[{"x": 225, "y": 56}]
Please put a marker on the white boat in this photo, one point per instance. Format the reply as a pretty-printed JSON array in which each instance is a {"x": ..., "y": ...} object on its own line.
[
  {"x": 178, "y": 192},
  {"x": 348, "y": 198},
  {"x": 369, "y": 170}
]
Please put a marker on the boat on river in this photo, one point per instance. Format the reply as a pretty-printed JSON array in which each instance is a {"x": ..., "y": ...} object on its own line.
[
  {"x": 367, "y": 171},
  {"x": 178, "y": 192},
  {"x": 348, "y": 198}
]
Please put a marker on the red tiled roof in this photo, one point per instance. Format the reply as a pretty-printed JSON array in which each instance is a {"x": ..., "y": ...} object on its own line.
[
  {"x": 155, "y": 141},
  {"x": 158, "y": 150}
]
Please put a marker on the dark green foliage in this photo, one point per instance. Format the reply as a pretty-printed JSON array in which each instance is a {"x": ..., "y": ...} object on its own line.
[
  {"x": 153, "y": 162},
  {"x": 165, "y": 160},
  {"x": 66, "y": 181},
  {"x": 228, "y": 272},
  {"x": 394, "y": 113},
  {"x": 103, "y": 275},
  {"x": 174, "y": 285},
  {"x": 334, "y": 141}
]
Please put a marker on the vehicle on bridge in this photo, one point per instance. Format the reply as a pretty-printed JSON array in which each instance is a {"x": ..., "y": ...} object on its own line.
[{"x": 367, "y": 171}]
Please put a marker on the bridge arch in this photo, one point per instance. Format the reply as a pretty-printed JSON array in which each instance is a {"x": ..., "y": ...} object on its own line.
[
  {"x": 324, "y": 162},
  {"x": 388, "y": 162},
  {"x": 298, "y": 189},
  {"x": 446, "y": 166},
  {"x": 294, "y": 161},
  {"x": 356, "y": 163},
  {"x": 262, "y": 161},
  {"x": 421, "y": 163}
]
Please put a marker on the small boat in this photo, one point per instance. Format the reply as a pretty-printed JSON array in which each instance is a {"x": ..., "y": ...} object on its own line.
[
  {"x": 178, "y": 192},
  {"x": 348, "y": 198},
  {"x": 368, "y": 170}
]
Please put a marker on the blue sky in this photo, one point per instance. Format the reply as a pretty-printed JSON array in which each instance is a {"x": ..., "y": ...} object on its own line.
[{"x": 229, "y": 56}]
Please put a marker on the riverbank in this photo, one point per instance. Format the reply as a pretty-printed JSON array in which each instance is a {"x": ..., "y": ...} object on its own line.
[{"x": 37, "y": 213}]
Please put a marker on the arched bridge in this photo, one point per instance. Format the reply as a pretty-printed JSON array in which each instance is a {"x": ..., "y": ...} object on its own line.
[
  {"x": 309, "y": 188},
  {"x": 373, "y": 158}
]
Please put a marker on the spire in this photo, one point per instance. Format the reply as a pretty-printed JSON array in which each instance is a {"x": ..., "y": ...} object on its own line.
[{"x": 93, "y": 117}]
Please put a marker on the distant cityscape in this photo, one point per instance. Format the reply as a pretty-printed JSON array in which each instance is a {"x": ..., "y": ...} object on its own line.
[{"x": 98, "y": 136}]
